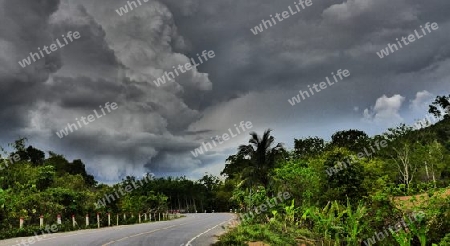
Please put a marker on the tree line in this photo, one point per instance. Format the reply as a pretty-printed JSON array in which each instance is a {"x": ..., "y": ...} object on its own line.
[{"x": 33, "y": 184}]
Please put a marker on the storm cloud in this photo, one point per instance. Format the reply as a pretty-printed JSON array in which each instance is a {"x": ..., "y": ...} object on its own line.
[{"x": 251, "y": 77}]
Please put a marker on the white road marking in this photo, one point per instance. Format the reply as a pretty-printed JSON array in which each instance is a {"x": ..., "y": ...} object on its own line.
[{"x": 212, "y": 228}]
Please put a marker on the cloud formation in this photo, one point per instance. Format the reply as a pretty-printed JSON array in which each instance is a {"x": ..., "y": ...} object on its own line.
[
  {"x": 422, "y": 100},
  {"x": 386, "y": 110},
  {"x": 117, "y": 58}
]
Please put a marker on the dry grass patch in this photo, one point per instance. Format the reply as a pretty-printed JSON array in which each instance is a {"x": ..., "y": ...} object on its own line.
[{"x": 420, "y": 200}]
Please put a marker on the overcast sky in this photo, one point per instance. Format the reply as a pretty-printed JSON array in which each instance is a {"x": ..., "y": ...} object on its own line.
[{"x": 250, "y": 78}]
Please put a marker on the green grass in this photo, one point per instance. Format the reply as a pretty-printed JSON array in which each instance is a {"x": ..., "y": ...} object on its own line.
[{"x": 272, "y": 234}]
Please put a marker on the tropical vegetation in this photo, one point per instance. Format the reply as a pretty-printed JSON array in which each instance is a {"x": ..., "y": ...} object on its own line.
[{"x": 362, "y": 202}]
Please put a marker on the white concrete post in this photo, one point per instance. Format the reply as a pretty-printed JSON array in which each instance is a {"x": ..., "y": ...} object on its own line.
[
  {"x": 117, "y": 219},
  {"x": 145, "y": 216},
  {"x": 98, "y": 220},
  {"x": 58, "y": 219},
  {"x": 139, "y": 218},
  {"x": 159, "y": 216},
  {"x": 21, "y": 222},
  {"x": 73, "y": 221},
  {"x": 109, "y": 219},
  {"x": 41, "y": 221},
  {"x": 87, "y": 219}
]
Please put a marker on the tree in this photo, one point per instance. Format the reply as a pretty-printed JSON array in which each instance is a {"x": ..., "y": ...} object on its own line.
[
  {"x": 262, "y": 157},
  {"x": 302, "y": 182},
  {"x": 19, "y": 146},
  {"x": 353, "y": 140},
  {"x": 400, "y": 132},
  {"x": 31, "y": 154},
  {"x": 235, "y": 166},
  {"x": 418, "y": 155},
  {"x": 210, "y": 182},
  {"x": 440, "y": 107},
  {"x": 308, "y": 147},
  {"x": 211, "y": 185},
  {"x": 347, "y": 180},
  {"x": 433, "y": 158},
  {"x": 78, "y": 167},
  {"x": 36, "y": 156},
  {"x": 406, "y": 168}
]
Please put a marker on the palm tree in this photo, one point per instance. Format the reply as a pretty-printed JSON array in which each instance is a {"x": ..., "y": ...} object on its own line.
[{"x": 261, "y": 158}]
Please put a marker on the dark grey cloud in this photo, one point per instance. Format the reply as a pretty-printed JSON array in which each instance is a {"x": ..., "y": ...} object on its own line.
[
  {"x": 334, "y": 33},
  {"x": 250, "y": 78}
]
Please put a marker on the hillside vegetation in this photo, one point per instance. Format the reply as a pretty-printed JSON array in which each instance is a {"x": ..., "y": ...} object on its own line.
[{"x": 388, "y": 189}]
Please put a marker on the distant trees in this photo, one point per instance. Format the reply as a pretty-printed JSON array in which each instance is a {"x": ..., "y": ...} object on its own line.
[{"x": 37, "y": 185}]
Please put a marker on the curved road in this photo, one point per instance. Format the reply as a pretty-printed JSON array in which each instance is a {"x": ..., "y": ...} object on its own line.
[{"x": 194, "y": 229}]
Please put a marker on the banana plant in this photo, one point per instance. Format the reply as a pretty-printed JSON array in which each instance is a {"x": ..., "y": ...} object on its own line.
[
  {"x": 290, "y": 213},
  {"x": 354, "y": 223},
  {"x": 327, "y": 221},
  {"x": 419, "y": 229}
]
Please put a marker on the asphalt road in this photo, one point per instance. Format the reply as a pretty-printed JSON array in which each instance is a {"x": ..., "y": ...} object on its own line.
[{"x": 194, "y": 229}]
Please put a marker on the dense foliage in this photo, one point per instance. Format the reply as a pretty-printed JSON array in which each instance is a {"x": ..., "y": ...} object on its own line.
[{"x": 352, "y": 190}]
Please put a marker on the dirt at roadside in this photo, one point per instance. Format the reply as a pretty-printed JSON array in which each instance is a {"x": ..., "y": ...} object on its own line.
[
  {"x": 257, "y": 244},
  {"x": 233, "y": 223}
]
